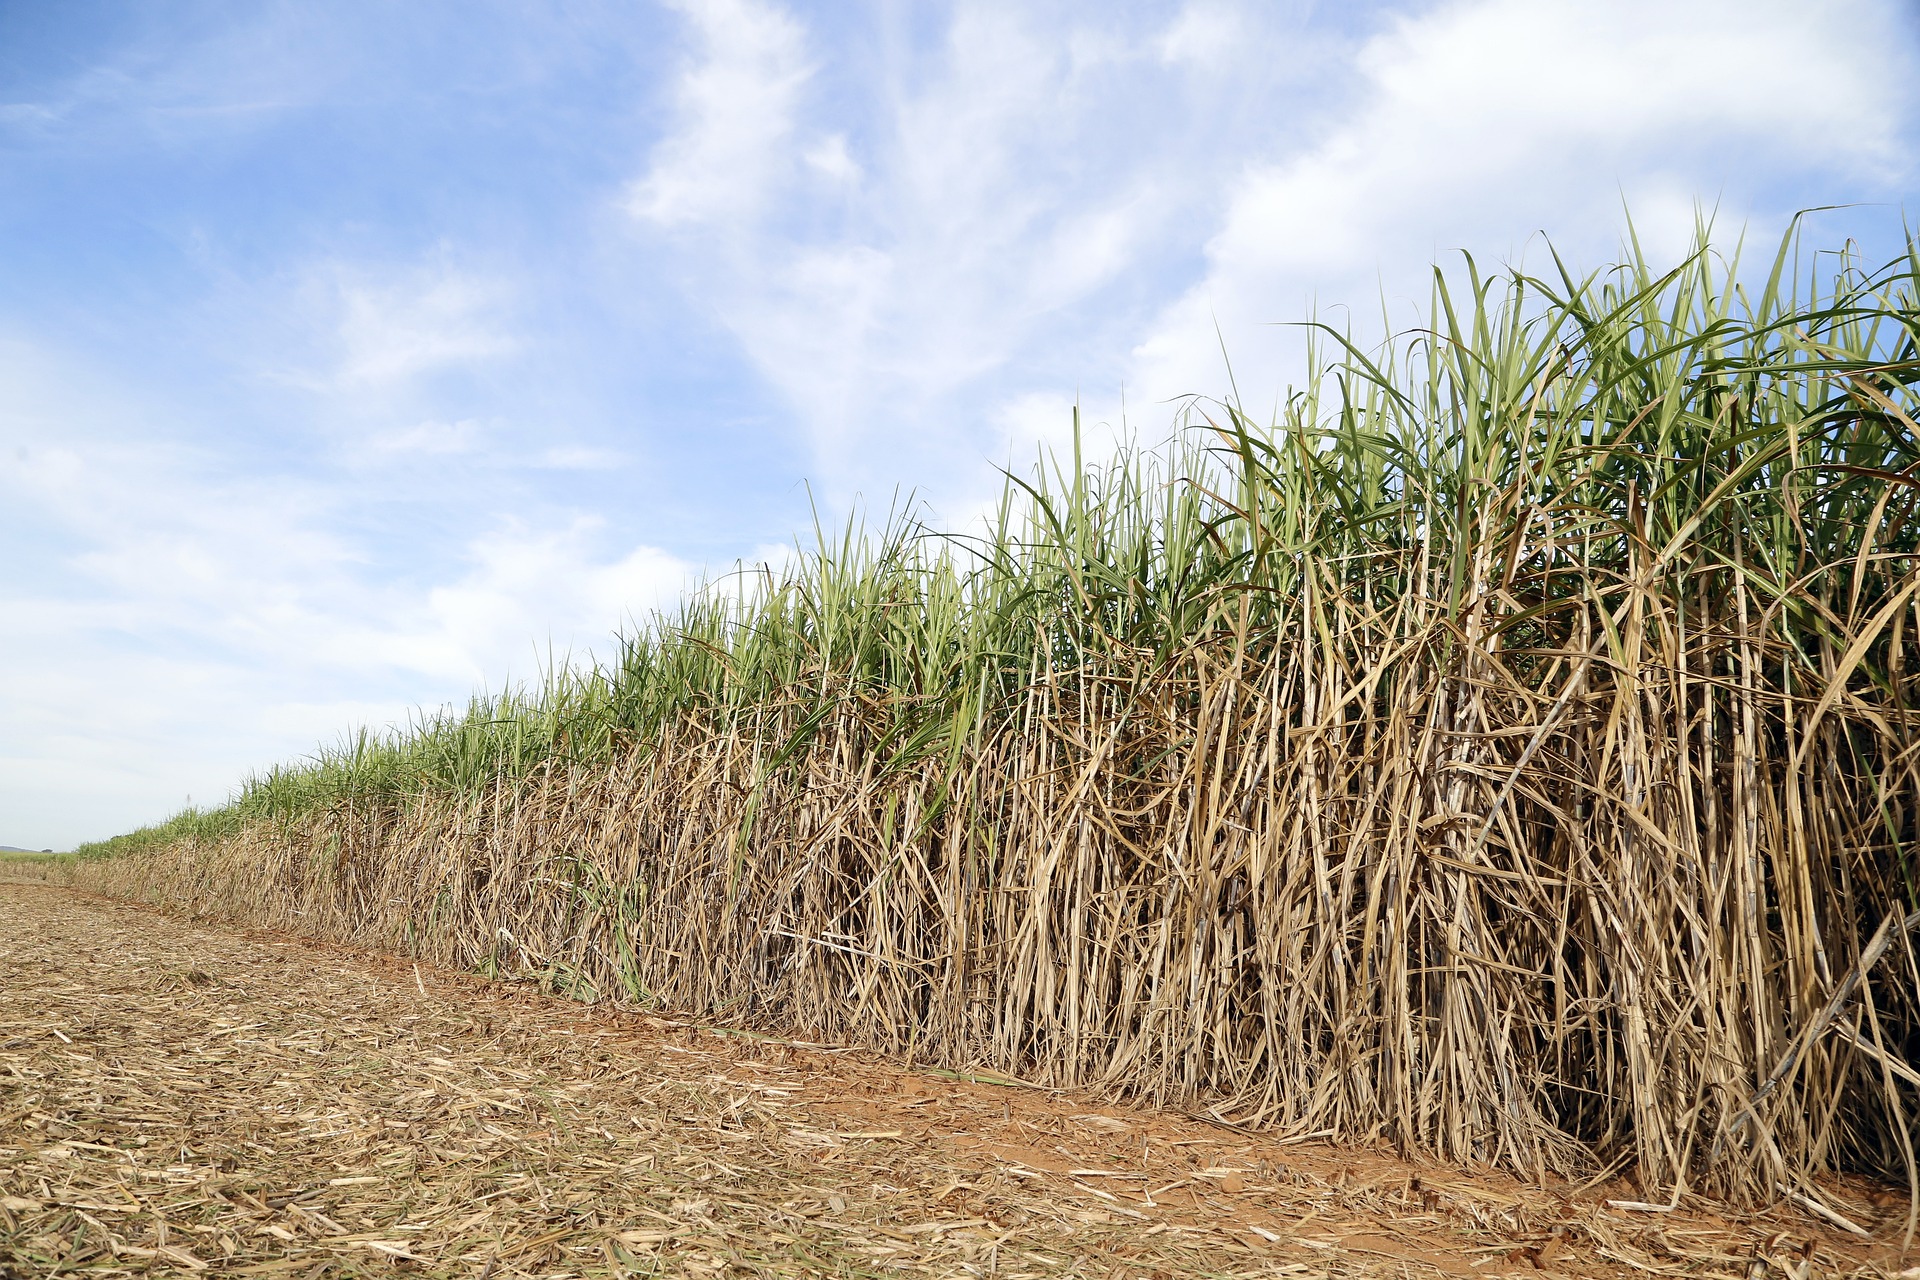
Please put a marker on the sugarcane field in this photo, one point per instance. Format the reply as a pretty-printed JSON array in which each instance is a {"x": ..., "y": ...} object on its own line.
[{"x": 1132, "y": 640}]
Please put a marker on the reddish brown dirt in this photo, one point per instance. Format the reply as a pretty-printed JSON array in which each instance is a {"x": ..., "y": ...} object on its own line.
[{"x": 177, "y": 1098}]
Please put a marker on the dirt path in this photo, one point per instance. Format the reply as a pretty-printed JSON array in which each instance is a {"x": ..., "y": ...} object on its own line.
[{"x": 176, "y": 1098}]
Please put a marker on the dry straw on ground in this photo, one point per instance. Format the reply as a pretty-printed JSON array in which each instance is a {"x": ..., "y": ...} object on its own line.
[
  {"x": 190, "y": 1101},
  {"x": 1510, "y": 756}
]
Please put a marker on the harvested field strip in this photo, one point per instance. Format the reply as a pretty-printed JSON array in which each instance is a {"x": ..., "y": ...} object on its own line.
[{"x": 182, "y": 1099}]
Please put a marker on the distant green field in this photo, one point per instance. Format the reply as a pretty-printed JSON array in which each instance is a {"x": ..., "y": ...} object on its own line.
[{"x": 27, "y": 864}]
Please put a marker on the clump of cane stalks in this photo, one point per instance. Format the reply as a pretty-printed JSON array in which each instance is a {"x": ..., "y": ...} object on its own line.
[{"x": 1510, "y": 752}]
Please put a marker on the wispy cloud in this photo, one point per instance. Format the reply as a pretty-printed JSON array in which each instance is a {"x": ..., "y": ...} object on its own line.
[
  {"x": 735, "y": 103},
  {"x": 1204, "y": 34},
  {"x": 992, "y": 187},
  {"x": 236, "y": 77},
  {"x": 190, "y": 618},
  {"x": 431, "y": 439},
  {"x": 556, "y": 576},
  {"x": 388, "y": 328},
  {"x": 1480, "y": 122}
]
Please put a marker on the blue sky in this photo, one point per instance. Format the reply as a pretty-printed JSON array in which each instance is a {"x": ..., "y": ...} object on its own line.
[{"x": 352, "y": 354}]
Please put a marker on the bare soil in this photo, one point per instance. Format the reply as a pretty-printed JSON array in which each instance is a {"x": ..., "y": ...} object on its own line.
[{"x": 177, "y": 1098}]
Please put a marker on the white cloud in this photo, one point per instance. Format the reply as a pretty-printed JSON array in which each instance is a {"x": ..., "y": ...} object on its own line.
[
  {"x": 735, "y": 105},
  {"x": 548, "y": 588},
  {"x": 1480, "y": 122},
  {"x": 1203, "y": 34},
  {"x": 420, "y": 320},
  {"x": 996, "y": 191},
  {"x": 830, "y": 158},
  {"x": 433, "y": 439},
  {"x": 812, "y": 326},
  {"x": 175, "y": 620},
  {"x": 578, "y": 458},
  {"x": 27, "y": 115},
  {"x": 1032, "y": 424}
]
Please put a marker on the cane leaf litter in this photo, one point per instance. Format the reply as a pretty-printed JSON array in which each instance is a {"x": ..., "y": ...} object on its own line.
[{"x": 184, "y": 1099}]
